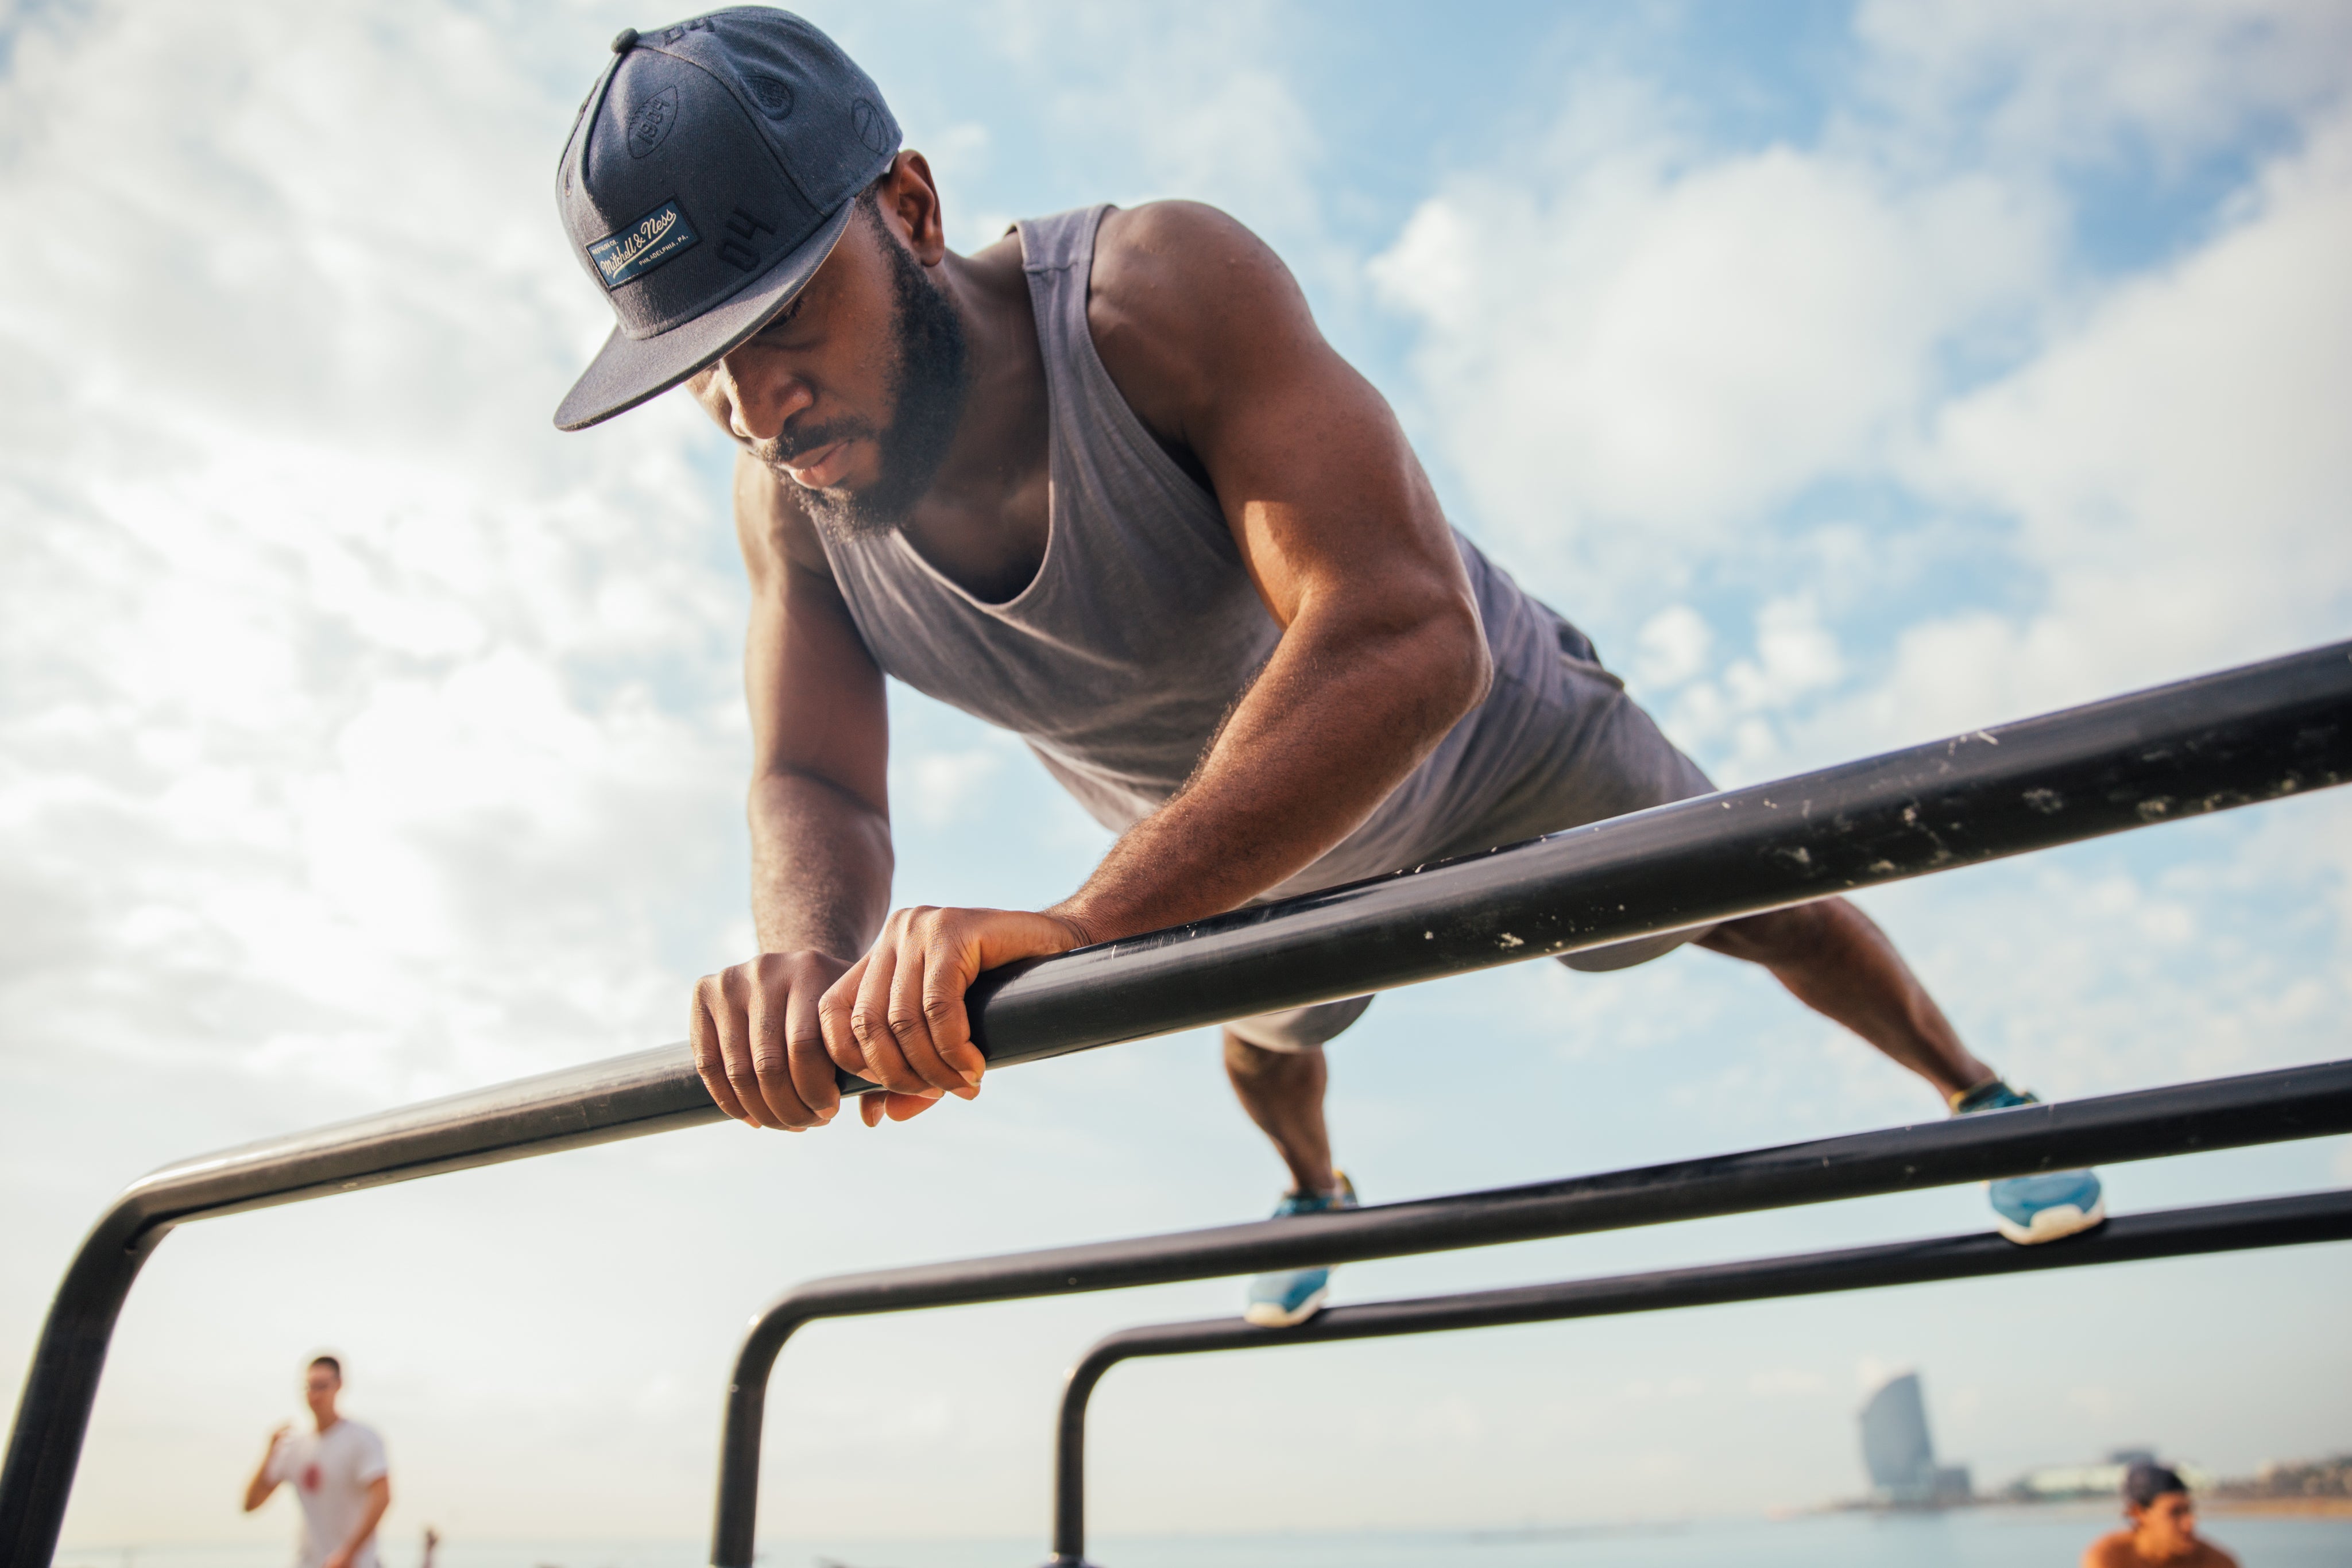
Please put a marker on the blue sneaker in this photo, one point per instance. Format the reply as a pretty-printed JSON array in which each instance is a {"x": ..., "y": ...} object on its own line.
[
  {"x": 1289, "y": 1298},
  {"x": 2033, "y": 1210}
]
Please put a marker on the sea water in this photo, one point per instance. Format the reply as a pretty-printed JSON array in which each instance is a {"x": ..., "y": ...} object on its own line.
[{"x": 1971, "y": 1538}]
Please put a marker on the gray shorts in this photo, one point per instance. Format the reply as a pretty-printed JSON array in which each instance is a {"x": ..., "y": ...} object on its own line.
[{"x": 1608, "y": 757}]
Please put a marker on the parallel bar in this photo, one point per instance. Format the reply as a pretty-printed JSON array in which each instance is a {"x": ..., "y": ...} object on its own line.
[
  {"x": 2223, "y": 1112},
  {"x": 2173, "y": 1233},
  {"x": 2243, "y": 736}
]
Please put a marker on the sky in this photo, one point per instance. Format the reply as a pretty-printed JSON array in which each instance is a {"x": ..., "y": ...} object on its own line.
[{"x": 1855, "y": 374}]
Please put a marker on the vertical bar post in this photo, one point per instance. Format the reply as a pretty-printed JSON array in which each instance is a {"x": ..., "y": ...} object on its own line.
[{"x": 1070, "y": 1456}]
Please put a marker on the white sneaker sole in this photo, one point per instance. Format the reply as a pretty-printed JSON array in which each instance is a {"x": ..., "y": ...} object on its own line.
[
  {"x": 2057, "y": 1221},
  {"x": 1266, "y": 1315}
]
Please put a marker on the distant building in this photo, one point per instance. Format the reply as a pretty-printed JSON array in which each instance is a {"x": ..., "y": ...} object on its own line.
[
  {"x": 1898, "y": 1453},
  {"x": 2310, "y": 1478}
]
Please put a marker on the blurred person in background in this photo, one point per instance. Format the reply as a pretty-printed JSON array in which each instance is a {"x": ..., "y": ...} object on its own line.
[
  {"x": 338, "y": 1472},
  {"x": 2163, "y": 1526}
]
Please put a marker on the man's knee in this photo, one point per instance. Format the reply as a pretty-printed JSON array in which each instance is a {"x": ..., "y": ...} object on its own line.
[
  {"x": 1780, "y": 936},
  {"x": 1626, "y": 955},
  {"x": 1296, "y": 1030},
  {"x": 1246, "y": 1060}
]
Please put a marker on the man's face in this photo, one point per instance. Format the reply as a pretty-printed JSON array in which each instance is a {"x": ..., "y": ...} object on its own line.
[
  {"x": 852, "y": 395},
  {"x": 2168, "y": 1524},
  {"x": 320, "y": 1387}
]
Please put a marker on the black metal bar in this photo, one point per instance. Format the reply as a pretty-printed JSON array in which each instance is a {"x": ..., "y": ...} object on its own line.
[
  {"x": 2229, "y": 740},
  {"x": 2245, "y": 736},
  {"x": 2171, "y": 1233},
  {"x": 2224, "y": 1113}
]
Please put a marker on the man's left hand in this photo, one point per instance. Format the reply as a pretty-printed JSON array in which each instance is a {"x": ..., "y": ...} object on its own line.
[
  {"x": 340, "y": 1557},
  {"x": 897, "y": 1016}
]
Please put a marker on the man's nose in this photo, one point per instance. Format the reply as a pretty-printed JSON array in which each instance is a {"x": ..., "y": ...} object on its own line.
[{"x": 762, "y": 396}]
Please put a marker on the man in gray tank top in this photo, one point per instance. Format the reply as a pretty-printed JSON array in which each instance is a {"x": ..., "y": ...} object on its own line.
[{"x": 1103, "y": 484}]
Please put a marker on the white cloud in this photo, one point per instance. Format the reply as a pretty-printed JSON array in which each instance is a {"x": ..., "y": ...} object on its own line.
[
  {"x": 1197, "y": 103},
  {"x": 1638, "y": 352},
  {"x": 328, "y": 663},
  {"x": 1672, "y": 647},
  {"x": 2030, "y": 82},
  {"x": 1632, "y": 351},
  {"x": 2098, "y": 1403},
  {"x": 1785, "y": 1381},
  {"x": 2083, "y": 983},
  {"x": 2176, "y": 470},
  {"x": 943, "y": 789},
  {"x": 1735, "y": 717}
]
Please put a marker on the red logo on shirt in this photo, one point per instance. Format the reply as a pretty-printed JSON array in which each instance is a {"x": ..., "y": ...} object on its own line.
[{"x": 310, "y": 1478}]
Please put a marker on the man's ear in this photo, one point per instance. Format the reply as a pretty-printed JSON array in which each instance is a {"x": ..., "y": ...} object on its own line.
[{"x": 911, "y": 197}]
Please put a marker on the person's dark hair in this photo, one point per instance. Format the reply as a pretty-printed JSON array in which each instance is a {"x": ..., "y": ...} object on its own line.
[
  {"x": 330, "y": 1363},
  {"x": 2144, "y": 1483}
]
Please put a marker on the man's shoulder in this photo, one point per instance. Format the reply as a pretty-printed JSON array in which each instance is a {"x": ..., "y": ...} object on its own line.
[
  {"x": 357, "y": 1435},
  {"x": 1175, "y": 222},
  {"x": 1183, "y": 302},
  {"x": 356, "y": 1456},
  {"x": 1174, "y": 256},
  {"x": 2113, "y": 1550}
]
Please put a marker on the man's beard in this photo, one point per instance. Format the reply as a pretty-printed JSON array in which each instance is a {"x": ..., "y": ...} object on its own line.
[{"x": 927, "y": 390}]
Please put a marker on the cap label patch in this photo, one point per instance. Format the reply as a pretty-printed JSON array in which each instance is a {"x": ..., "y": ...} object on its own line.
[{"x": 645, "y": 244}]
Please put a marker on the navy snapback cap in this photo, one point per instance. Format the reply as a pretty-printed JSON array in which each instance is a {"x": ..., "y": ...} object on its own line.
[{"x": 712, "y": 170}]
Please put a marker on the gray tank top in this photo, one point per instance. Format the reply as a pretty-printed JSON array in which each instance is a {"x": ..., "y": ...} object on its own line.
[{"x": 1117, "y": 661}]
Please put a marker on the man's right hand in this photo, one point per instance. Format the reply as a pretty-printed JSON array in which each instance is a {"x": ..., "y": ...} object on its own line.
[{"x": 758, "y": 1041}]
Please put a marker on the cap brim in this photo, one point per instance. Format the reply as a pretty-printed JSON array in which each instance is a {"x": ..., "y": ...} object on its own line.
[{"x": 630, "y": 370}]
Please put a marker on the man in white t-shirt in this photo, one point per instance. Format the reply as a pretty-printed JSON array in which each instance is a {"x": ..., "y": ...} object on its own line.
[{"x": 338, "y": 1473}]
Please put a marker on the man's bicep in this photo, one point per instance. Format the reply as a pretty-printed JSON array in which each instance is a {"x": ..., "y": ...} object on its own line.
[
  {"x": 1321, "y": 487},
  {"x": 816, "y": 694},
  {"x": 1213, "y": 343}
]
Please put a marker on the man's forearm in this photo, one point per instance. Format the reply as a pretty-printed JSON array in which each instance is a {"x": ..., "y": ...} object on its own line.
[
  {"x": 821, "y": 865},
  {"x": 257, "y": 1489},
  {"x": 1335, "y": 722}
]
